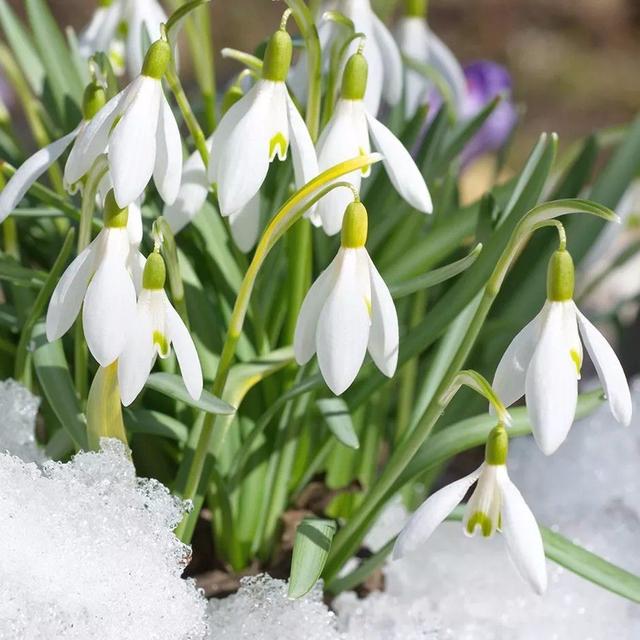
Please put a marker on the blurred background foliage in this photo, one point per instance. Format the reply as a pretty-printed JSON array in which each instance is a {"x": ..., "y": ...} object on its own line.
[{"x": 574, "y": 64}]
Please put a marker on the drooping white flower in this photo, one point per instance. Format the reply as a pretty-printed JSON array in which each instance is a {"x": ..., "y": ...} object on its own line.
[
  {"x": 156, "y": 327},
  {"x": 495, "y": 505},
  {"x": 145, "y": 142},
  {"x": 348, "y": 311},
  {"x": 348, "y": 134},
  {"x": 100, "y": 281},
  {"x": 544, "y": 360},
  {"x": 259, "y": 127},
  {"x": 419, "y": 43},
  {"x": 35, "y": 166},
  {"x": 139, "y": 19},
  {"x": 385, "y": 62}
]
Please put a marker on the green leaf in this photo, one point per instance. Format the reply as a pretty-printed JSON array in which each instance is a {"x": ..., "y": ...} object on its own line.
[
  {"x": 590, "y": 566},
  {"x": 13, "y": 272},
  {"x": 336, "y": 414},
  {"x": 61, "y": 73},
  {"x": 155, "y": 423},
  {"x": 172, "y": 385},
  {"x": 22, "y": 47},
  {"x": 436, "y": 276},
  {"x": 182, "y": 12},
  {"x": 310, "y": 551},
  {"x": 56, "y": 383}
]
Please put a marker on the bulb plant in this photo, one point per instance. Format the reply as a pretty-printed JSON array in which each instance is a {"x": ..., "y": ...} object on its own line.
[{"x": 194, "y": 245}]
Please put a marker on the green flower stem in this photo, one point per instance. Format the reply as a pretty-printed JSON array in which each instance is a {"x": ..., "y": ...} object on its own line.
[
  {"x": 304, "y": 19},
  {"x": 80, "y": 352},
  {"x": 348, "y": 538},
  {"x": 195, "y": 129},
  {"x": 290, "y": 213},
  {"x": 23, "y": 351}
]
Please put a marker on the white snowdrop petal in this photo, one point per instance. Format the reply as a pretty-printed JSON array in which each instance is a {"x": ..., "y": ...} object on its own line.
[
  {"x": 391, "y": 61},
  {"x": 94, "y": 137},
  {"x": 167, "y": 172},
  {"x": 31, "y": 170},
  {"x": 186, "y": 353},
  {"x": 99, "y": 33},
  {"x": 245, "y": 224},
  {"x": 509, "y": 379},
  {"x": 522, "y": 535},
  {"x": 413, "y": 37},
  {"x": 304, "y": 341},
  {"x": 243, "y": 159},
  {"x": 343, "y": 327},
  {"x": 401, "y": 169},
  {"x": 384, "y": 335},
  {"x": 109, "y": 310},
  {"x": 132, "y": 146},
  {"x": 610, "y": 371},
  {"x": 305, "y": 161},
  {"x": 134, "y": 224},
  {"x": 191, "y": 196},
  {"x": 137, "y": 357},
  {"x": 431, "y": 514},
  {"x": 142, "y": 15},
  {"x": 551, "y": 384},
  {"x": 67, "y": 297}
]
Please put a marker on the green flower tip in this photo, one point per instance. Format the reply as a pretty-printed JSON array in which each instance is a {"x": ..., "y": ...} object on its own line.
[
  {"x": 482, "y": 520},
  {"x": 93, "y": 100},
  {"x": 560, "y": 277},
  {"x": 277, "y": 57},
  {"x": 355, "y": 226},
  {"x": 103, "y": 4},
  {"x": 417, "y": 8},
  {"x": 497, "y": 447},
  {"x": 157, "y": 60},
  {"x": 115, "y": 217},
  {"x": 354, "y": 79},
  {"x": 231, "y": 96},
  {"x": 155, "y": 272}
]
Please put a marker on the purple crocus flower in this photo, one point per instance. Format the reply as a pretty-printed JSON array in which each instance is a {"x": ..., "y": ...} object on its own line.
[{"x": 485, "y": 81}]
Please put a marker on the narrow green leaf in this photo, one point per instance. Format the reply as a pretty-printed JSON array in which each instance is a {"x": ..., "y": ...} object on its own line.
[
  {"x": 155, "y": 423},
  {"x": 437, "y": 276},
  {"x": 14, "y": 272},
  {"x": 56, "y": 383},
  {"x": 22, "y": 47},
  {"x": 250, "y": 61},
  {"x": 182, "y": 12},
  {"x": 310, "y": 551},
  {"x": 336, "y": 414},
  {"x": 172, "y": 385},
  {"x": 61, "y": 74}
]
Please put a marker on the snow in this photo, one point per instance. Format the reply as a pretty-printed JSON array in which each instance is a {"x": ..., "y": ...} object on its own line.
[
  {"x": 18, "y": 408},
  {"x": 89, "y": 552}
]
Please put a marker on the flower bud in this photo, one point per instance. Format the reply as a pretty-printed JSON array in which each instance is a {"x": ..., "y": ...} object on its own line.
[
  {"x": 354, "y": 79},
  {"x": 93, "y": 100},
  {"x": 560, "y": 276},
  {"x": 277, "y": 57},
  {"x": 354, "y": 226},
  {"x": 157, "y": 60},
  {"x": 497, "y": 446},
  {"x": 115, "y": 217},
  {"x": 417, "y": 8},
  {"x": 155, "y": 273}
]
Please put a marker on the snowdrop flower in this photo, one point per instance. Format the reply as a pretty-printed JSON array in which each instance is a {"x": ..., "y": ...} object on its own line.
[
  {"x": 138, "y": 18},
  {"x": 156, "y": 327},
  {"x": 259, "y": 127},
  {"x": 347, "y": 311},
  {"x": 347, "y": 135},
  {"x": 99, "y": 280},
  {"x": 544, "y": 360},
  {"x": 496, "y": 504},
  {"x": 383, "y": 53},
  {"x": 245, "y": 223},
  {"x": 419, "y": 43},
  {"x": 145, "y": 141},
  {"x": 35, "y": 166}
]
